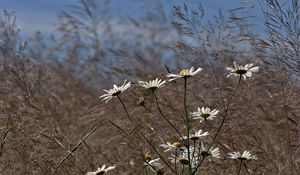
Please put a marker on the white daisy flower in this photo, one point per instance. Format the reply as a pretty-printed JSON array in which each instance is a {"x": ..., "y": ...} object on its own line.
[
  {"x": 213, "y": 152},
  {"x": 115, "y": 91},
  {"x": 182, "y": 157},
  {"x": 169, "y": 146},
  {"x": 101, "y": 171},
  {"x": 245, "y": 156},
  {"x": 184, "y": 73},
  {"x": 244, "y": 71},
  {"x": 198, "y": 135},
  {"x": 205, "y": 114},
  {"x": 152, "y": 84}
]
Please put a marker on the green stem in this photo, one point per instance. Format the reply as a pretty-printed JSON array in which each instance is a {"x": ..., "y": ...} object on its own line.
[
  {"x": 187, "y": 126},
  {"x": 162, "y": 114}
]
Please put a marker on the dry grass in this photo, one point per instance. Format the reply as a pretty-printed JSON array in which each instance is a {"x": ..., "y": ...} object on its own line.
[{"x": 49, "y": 92}]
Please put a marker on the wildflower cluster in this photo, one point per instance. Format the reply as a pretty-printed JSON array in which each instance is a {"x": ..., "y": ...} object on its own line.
[
  {"x": 191, "y": 149},
  {"x": 179, "y": 152}
]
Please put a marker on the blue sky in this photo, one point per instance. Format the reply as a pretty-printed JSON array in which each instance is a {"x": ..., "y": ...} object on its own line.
[{"x": 41, "y": 15}]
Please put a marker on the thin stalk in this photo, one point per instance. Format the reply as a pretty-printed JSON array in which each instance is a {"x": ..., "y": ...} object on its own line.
[
  {"x": 182, "y": 171},
  {"x": 175, "y": 163},
  {"x": 199, "y": 165},
  {"x": 148, "y": 141},
  {"x": 128, "y": 116},
  {"x": 223, "y": 121},
  {"x": 162, "y": 114},
  {"x": 187, "y": 125},
  {"x": 240, "y": 167},
  {"x": 151, "y": 166},
  {"x": 147, "y": 108},
  {"x": 160, "y": 156},
  {"x": 194, "y": 144},
  {"x": 247, "y": 170},
  {"x": 3, "y": 141},
  {"x": 226, "y": 112}
]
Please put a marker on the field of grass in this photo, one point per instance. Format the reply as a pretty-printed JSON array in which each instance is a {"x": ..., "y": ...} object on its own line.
[{"x": 52, "y": 120}]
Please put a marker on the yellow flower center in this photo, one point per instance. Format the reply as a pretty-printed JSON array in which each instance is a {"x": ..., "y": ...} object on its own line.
[
  {"x": 184, "y": 72},
  {"x": 147, "y": 157},
  {"x": 177, "y": 144}
]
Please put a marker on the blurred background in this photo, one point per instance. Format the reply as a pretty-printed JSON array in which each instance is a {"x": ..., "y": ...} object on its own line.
[{"x": 35, "y": 15}]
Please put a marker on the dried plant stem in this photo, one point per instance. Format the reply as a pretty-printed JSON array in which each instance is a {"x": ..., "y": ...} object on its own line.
[
  {"x": 76, "y": 147},
  {"x": 3, "y": 142}
]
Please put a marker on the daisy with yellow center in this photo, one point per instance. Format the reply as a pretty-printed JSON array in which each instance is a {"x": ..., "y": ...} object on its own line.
[
  {"x": 205, "y": 113},
  {"x": 184, "y": 73},
  {"x": 174, "y": 145}
]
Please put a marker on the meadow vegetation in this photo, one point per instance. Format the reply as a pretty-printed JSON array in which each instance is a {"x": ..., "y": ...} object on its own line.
[{"x": 197, "y": 90}]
